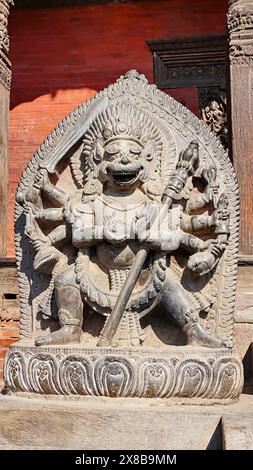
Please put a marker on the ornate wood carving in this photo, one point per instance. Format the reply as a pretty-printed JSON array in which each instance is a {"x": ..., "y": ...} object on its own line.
[
  {"x": 5, "y": 66},
  {"x": 196, "y": 61},
  {"x": 181, "y": 62},
  {"x": 240, "y": 29},
  {"x": 9, "y": 299},
  {"x": 213, "y": 105}
]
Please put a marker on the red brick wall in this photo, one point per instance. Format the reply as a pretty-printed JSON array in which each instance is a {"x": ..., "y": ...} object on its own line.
[{"x": 61, "y": 56}]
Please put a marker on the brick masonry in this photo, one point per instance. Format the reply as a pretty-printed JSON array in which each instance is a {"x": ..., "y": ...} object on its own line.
[
  {"x": 62, "y": 56},
  {"x": 9, "y": 308}
]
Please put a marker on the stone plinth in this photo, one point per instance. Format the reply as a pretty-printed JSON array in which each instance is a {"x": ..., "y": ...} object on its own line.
[
  {"x": 175, "y": 372},
  {"x": 127, "y": 216}
]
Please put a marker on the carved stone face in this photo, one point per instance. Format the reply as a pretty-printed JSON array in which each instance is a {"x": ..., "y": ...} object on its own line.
[{"x": 123, "y": 163}]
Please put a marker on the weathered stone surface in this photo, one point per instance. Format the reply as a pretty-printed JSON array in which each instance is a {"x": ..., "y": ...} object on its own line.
[
  {"x": 101, "y": 425},
  {"x": 128, "y": 216},
  {"x": 182, "y": 372},
  {"x": 238, "y": 432},
  {"x": 106, "y": 423}
]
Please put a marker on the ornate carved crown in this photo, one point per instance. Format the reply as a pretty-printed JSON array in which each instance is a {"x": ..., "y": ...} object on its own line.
[
  {"x": 123, "y": 121},
  {"x": 122, "y": 124}
]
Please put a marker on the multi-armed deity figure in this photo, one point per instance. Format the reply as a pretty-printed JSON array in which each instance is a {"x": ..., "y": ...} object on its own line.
[
  {"x": 113, "y": 216},
  {"x": 126, "y": 241}
]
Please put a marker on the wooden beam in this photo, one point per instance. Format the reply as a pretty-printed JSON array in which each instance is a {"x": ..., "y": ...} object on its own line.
[
  {"x": 5, "y": 81},
  {"x": 240, "y": 30},
  {"x": 198, "y": 61},
  {"x": 189, "y": 61}
]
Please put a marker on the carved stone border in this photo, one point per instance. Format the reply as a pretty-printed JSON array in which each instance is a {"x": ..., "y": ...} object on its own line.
[
  {"x": 178, "y": 372},
  {"x": 5, "y": 65}
]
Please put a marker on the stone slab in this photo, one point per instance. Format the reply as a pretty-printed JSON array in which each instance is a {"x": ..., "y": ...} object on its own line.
[
  {"x": 238, "y": 432},
  {"x": 37, "y": 423}
]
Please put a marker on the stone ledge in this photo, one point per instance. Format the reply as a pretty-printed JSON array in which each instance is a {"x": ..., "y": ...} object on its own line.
[{"x": 97, "y": 423}]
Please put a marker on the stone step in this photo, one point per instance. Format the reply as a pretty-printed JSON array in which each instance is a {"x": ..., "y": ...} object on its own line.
[{"x": 123, "y": 423}]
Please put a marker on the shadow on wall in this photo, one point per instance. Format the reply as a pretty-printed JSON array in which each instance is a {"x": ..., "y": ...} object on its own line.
[
  {"x": 91, "y": 45},
  {"x": 30, "y": 123},
  {"x": 61, "y": 56}
]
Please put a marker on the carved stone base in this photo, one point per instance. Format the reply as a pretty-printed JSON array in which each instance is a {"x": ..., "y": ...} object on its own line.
[{"x": 180, "y": 372}]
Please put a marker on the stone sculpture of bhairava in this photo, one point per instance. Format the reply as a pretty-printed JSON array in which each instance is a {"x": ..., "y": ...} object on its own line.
[{"x": 126, "y": 240}]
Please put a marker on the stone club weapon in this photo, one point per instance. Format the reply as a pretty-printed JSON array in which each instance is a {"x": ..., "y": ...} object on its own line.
[{"x": 187, "y": 160}]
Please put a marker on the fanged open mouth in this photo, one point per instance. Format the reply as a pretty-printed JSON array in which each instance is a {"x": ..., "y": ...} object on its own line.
[{"x": 125, "y": 178}]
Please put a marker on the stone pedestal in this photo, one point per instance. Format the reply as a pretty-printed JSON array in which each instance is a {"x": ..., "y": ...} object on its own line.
[
  {"x": 91, "y": 275},
  {"x": 180, "y": 372}
]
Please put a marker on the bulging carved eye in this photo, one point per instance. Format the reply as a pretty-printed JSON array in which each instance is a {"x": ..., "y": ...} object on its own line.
[
  {"x": 112, "y": 148},
  {"x": 135, "y": 149},
  {"x": 148, "y": 154}
]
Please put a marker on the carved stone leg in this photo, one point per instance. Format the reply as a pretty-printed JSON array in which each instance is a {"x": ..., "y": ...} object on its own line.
[
  {"x": 70, "y": 311},
  {"x": 175, "y": 302}
]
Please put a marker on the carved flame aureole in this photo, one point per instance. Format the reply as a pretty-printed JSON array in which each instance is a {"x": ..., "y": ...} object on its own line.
[{"x": 168, "y": 127}]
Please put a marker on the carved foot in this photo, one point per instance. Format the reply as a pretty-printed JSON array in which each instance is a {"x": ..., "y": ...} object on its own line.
[
  {"x": 67, "y": 334},
  {"x": 198, "y": 336}
]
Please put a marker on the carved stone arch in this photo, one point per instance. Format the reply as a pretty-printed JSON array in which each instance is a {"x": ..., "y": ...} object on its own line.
[{"x": 182, "y": 127}]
